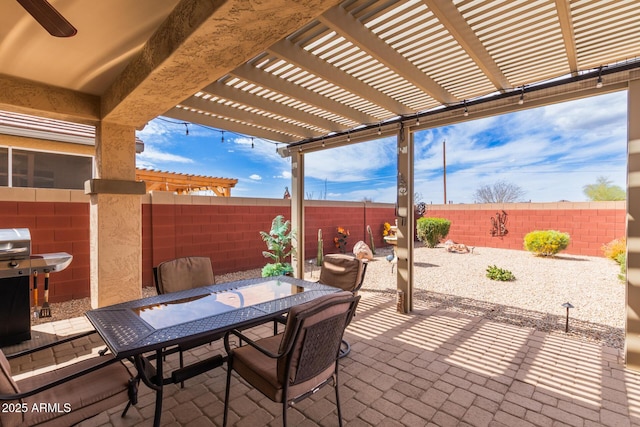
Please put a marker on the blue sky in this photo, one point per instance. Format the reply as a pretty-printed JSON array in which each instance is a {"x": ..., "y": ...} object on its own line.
[{"x": 551, "y": 152}]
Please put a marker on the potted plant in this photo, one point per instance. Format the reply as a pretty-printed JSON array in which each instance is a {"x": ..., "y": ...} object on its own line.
[{"x": 279, "y": 247}]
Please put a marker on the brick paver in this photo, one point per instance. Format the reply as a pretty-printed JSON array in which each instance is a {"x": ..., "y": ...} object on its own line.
[{"x": 430, "y": 367}]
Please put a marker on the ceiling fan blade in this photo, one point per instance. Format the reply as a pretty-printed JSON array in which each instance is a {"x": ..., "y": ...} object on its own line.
[{"x": 49, "y": 18}]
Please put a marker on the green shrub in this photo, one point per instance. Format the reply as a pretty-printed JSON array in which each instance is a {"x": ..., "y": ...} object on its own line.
[
  {"x": 431, "y": 230},
  {"x": 614, "y": 248},
  {"x": 495, "y": 273},
  {"x": 546, "y": 243},
  {"x": 622, "y": 260},
  {"x": 277, "y": 269},
  {"x": 279, "y": 247}
]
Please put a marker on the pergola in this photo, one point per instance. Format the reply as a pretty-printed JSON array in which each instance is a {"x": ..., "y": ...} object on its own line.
[
  {"x": 183, "y": 183},
  {"x": 312, "y": 75}
]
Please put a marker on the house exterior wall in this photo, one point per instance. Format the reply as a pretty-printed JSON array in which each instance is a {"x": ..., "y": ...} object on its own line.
[{"x": 227, "y": 229}]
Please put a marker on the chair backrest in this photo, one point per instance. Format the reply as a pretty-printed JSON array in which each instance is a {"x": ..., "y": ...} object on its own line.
[
  {"x": 183, "y": 273},
  {"x": 343, "y": 271},
  {"x": 311, "y": 341}
]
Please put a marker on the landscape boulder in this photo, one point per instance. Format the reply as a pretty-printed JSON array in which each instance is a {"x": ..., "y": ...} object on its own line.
[{"x": 362, "y": 251}]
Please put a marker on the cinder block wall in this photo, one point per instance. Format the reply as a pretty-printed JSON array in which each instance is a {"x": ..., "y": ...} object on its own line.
[
  {"x": 589, "y": 224},
  {"x": 227, "y": 229},
  {"x": 59, "y": 222}
]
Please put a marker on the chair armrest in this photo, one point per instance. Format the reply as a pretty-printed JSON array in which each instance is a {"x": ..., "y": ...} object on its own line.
[
  {"x": 52, "y": 344},
  {"x": 250, "y": 342},
  {"x": 59, "y": 381}
]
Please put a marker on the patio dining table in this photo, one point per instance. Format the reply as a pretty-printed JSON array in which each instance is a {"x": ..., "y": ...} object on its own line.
[{"x": 142, "y": 327}]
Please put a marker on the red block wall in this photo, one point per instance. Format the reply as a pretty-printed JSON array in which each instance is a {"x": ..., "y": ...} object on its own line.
[
  {"x": 55, "y": 227},
  {"x": 588, "y": 229},
  {"x": 352, "y": 217},
  {"x": 229, "y": 233}
]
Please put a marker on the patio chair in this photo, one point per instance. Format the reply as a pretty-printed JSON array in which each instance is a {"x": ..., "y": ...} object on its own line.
[
  {"x": 347, "y": 273},
  {"x": 69, "y": 394},
  {"x": 293, "y": 365},
  {"x": 343, "y": 271},
  {"x": 182, "y": 274}
]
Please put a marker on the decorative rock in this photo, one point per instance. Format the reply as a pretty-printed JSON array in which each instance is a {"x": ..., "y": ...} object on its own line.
[
  {"x": 362, "y": 251},
  {"x": 457, "y": 248}
]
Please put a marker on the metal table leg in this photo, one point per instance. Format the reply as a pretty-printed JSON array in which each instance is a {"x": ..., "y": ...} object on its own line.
[{"x": 152, "y": 378}]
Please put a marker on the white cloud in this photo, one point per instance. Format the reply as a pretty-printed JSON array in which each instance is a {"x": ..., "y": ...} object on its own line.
[
  {"x": 551, "y": 152},
  {"x": 284, "y": 175},
  {"x": 255, "y": 177},
  {"x": 150, "y": 155},
  {"x": 353, "y": 163}
]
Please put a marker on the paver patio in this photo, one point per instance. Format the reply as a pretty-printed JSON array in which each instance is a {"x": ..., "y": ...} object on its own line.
[{"x": 430, "y": 367}]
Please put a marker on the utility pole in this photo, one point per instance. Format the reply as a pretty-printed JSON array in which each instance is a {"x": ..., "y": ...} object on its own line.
[{"x": 444, "y": 168}]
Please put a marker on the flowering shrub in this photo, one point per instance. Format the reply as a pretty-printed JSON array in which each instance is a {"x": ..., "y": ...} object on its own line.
[
  {"x": 614, "y": 248},
  {"x": 341, "y": 239},
  {"x": 386, "y": 227},
  {"x": 546, "y": 243}
]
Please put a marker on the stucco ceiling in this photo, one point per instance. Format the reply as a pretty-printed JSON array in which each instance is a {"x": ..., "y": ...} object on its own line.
[
  {"x": 291, "y": 71},
  {"x": 109, "y": 34}
]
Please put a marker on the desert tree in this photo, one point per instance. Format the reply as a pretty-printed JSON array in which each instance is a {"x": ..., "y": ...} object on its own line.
[
  {"x": 499, "y": 192},
  {"x": 604, "y": 190}
]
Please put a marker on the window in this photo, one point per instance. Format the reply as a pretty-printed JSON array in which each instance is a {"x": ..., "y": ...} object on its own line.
[
  {"x": 47, "y": 170},
  {"x": 4, "y": 167}
]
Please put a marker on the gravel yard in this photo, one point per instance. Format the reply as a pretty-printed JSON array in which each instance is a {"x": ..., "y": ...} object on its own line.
[{"x": 458, "y": 282}]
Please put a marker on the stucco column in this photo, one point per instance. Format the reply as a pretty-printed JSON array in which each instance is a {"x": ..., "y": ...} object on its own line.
[
  {"x": 632, "y": 337},
  {"x": 404, "y": 250},
  {"x": 115, "y": 218},
  {"x": 297, "y": 211}
]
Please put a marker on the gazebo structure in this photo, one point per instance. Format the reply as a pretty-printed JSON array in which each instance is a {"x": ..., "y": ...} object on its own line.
[
  {"x": 183, "y": 183},
  {"x": 312, "y": 75}
]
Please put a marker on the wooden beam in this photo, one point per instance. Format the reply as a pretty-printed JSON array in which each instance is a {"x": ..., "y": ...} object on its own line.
[{"x": 347, "y": 26}]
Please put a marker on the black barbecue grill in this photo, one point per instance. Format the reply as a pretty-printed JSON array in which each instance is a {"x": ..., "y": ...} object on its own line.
[{"x": 17, "y": 264}]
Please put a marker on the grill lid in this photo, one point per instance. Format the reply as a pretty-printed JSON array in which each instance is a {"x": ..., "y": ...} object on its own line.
[{"x": 15, "y": 243}]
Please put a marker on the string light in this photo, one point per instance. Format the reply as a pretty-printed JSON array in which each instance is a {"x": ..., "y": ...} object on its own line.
[
  {"x": 599, "y": 82},
  {"x": 379, "y": 128},
  {"x": 521, "y": 100},
  {"x": 222, "y": 132},
  {"x": 466, "y": 110},
  {"x": 417, "y": 119},
  {"x": 348, "y": 136},
  {"x": 323, "y": 141},
  {"x": 222, "y": 137}
]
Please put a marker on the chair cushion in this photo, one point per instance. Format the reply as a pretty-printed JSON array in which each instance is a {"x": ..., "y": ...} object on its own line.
[
  {"x": 261, "y": 371},
  {"x": 78, "y": 399},
  {"x": 184, "y": 273},
  {"x": 341, "y": 271}
]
